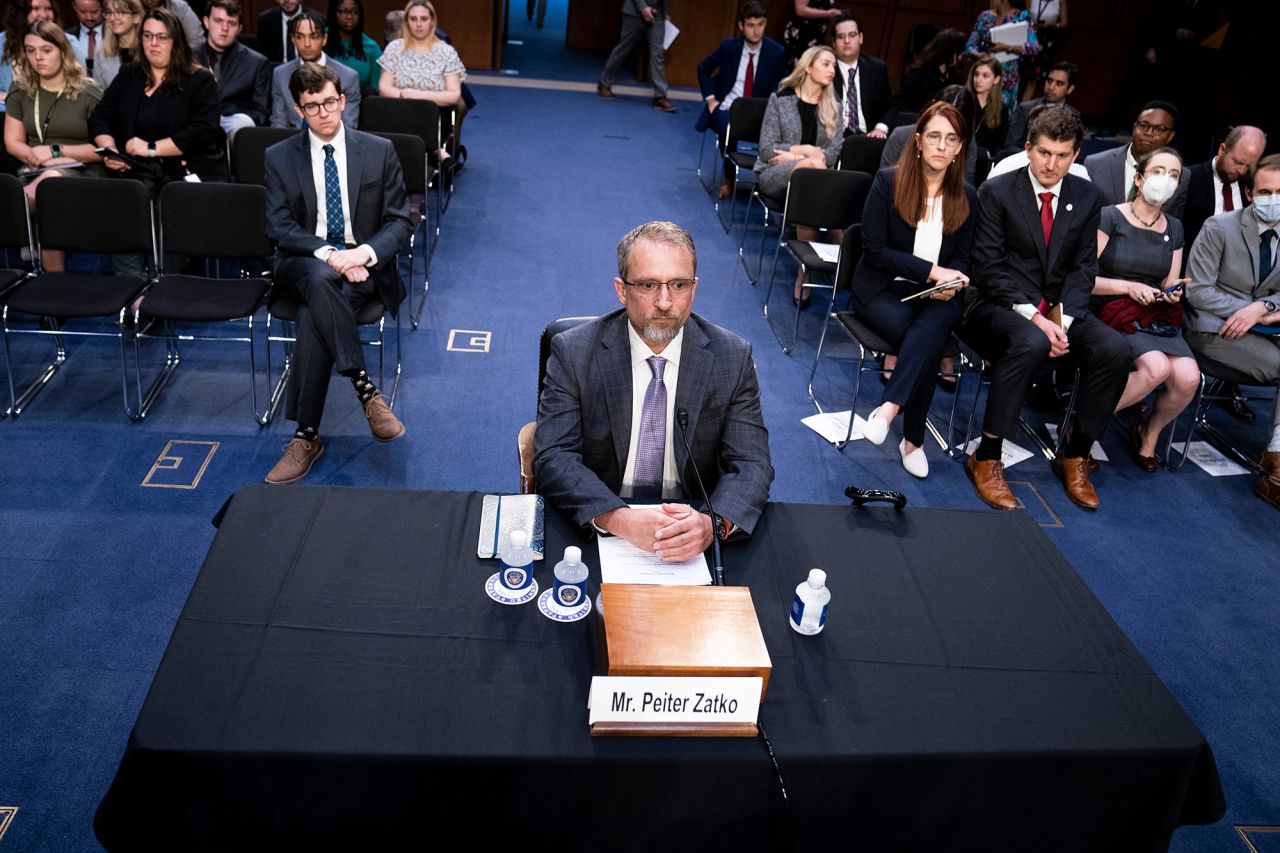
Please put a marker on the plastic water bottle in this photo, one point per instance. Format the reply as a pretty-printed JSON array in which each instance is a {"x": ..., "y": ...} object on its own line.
[
  {"x": 570, "y": 579},
  {"x": 809, "y": 608},
  {"x": 517, "y": 562}
]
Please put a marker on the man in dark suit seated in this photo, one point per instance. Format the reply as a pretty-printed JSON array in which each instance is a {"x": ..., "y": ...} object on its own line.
[
  {"x": 1060, "y": 82},
  {"x": 243, "y": 75},
  {"x": 338, "y": 214},
  {"x": 273, "y": 30},
  {"x": 619, "y": 387},
  {"x": 1233, "y": 301},
  {"x": 1217, "y": 186},
  {"x": 1112, "y": 170},
  {"x": 1036, "y": 251},
  {"x": 749, "y": 66},
  {"x": 868, "y": 105}
]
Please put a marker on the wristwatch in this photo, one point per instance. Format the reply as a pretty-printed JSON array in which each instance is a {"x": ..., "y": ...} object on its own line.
[
  {"x": 1270, "y": 305},
  {"x": 56, "y": 150},
  {"x": 151, "y": 149}
]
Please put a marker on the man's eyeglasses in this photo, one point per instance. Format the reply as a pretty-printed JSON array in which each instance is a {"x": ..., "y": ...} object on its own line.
[
  {"x": 650, "y": 287},
  {"x": 330, "y": 105},
  {"x": 157, "y": 37},
  {"x": 1148, "y": 127}
]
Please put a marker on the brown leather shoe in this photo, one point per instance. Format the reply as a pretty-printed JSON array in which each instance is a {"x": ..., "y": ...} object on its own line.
[
  {"x": 299, "y": 455},
  {"x": 1073, "y": 471},
  {"x": 988, "y": 480},
  {"x": 661, "y": 103},
  {"x": 726, "y": 189},
  {"x": 1270, "y": 462},
  {"x": 1268, "y": 489},
  {"x": 605, "y": 92},
  {"x": 383, "y": 423}
]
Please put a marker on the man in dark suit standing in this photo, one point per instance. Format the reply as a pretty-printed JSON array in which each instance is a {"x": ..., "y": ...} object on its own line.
[
  {"x": 243, "y": 75},
  {"x": 619, "y": 387},
  {"x": 1035, "y": 256},
  {"x": 338, "y": 214},
  {"x": 861, "y": 82},
  {"x": 1060, "y": 82},
  {"x": 273, "y": 31},
  {"x": 749, "y": 66}
]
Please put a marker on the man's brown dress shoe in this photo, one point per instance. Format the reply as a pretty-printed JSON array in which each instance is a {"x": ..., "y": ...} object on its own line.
[
  {"x": 988, "y": 480},
  {"x": 1073, "y": 471},
  {"x": 726, "y": 189},
  {"x": 1238, "y": 408},
  {"x": 1268, "y": 489},
  {"x": 383, "y": 423},
  {"x": 299, "y": 455},
  {"x": 604, "y": 91},
  {"x": 1270, "y": 462},
  {"x": 661, "y": 103}
]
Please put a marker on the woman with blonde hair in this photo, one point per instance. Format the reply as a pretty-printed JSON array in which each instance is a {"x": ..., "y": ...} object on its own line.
[
  {"x": 47, "y": 121},
  {"x": 121, "y": 44},
  {"x": 803, "y": 129},
  {"x": 420, "y": 65}
]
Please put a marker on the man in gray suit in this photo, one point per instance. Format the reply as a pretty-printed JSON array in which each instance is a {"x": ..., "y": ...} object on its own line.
[
  {"x": 619, "y": 387},
  {"x": 645, "y": 19},
  {"x": 307, "y": 33},
  {"x": 1233, "y": 302},
  {"x": 338, "y": 214},
  {"x": 1112, "y": 170}
]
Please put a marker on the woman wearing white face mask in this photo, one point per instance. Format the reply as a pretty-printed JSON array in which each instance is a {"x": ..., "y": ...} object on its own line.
[{"x": 1138, "y": 292}]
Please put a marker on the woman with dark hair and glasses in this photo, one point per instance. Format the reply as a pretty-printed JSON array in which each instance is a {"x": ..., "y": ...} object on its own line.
[
  {"x": 917, "y": 229},
  {"x": 163, "y": 108},
  {"x": 348, "y": 43}
]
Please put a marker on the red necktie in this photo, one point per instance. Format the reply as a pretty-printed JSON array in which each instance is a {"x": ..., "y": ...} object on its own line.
[
  {"x": 750, "y": 83},
  {"x": 1046, "y": 215},
  {"x": 92, "y": 46},
  {"x": 1227, "y": 204}
]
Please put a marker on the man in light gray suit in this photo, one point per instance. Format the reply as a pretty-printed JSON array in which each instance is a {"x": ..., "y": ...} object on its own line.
[
  {"x": 1233, "y": 302},
  {"x": 307, "y": 33},
  {"x": 618, "y": 389},
  {"x": 641, "y": 19},
  {"x": 1112, "y": 170}
]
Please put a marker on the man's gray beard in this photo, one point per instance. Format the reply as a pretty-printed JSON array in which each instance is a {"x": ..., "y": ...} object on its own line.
[{"x": 660, "y": 334}]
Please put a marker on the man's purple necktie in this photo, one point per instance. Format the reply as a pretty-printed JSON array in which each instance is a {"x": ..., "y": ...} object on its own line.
[
  {"x": 851, "y": 95},
  {"x": 651, "y": 448}
]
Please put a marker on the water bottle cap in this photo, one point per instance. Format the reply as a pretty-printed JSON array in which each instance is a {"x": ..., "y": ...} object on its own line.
[
  {"x": 519, "y": 539},
  {"x": 573, "y": 555},
  {"x": 817, "y": 578}
]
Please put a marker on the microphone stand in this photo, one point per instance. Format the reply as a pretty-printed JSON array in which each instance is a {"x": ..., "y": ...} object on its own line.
[{"x": 717, "y": 577}]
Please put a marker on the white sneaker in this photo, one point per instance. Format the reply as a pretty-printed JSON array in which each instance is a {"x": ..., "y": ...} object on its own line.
[
  {"x": 875, "y": 429},
  {"x": 915, "y": 462}
]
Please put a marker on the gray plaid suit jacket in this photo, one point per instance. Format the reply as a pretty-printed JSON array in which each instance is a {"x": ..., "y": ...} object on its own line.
[{"x": 584, "y": 420}]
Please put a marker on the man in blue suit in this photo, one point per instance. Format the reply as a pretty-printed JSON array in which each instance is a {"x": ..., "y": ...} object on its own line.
[
  {"x": 619, "y": 387},
  {"x": 338, "y": 214},
  {"x": 749, "y": 66}
]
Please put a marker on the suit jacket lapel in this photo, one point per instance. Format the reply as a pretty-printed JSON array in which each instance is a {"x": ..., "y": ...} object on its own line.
[
  {"x": 613, "y": 363},
  {"x": 1063, "y": 220},
  {"x": 1030, "y": 207},
  {"x": 691, "y": 389},
  {"x": 355, "y": 164},
  {"x": 1117, "y": 174},
  {"x": 302, "y": 168}
]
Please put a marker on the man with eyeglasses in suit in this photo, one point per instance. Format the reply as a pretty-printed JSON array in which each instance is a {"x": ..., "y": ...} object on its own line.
[{"x": 619, "y": 387}]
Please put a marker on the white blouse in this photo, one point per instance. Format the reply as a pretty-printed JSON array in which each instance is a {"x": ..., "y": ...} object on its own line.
[{"x": 928, "y": 245}]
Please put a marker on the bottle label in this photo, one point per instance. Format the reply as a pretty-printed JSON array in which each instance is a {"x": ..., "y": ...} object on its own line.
[
  {"x": 797, "y": 610},
  {"x": 822, "y": 620},
  {"x": 570, "y": 595},
  {"x": 515, "y": 577}
]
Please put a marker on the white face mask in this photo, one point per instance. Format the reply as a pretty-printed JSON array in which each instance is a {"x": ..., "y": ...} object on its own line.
[
  {"x": 1158, "y": 189},
  {"x": 1267, "y": 207}
]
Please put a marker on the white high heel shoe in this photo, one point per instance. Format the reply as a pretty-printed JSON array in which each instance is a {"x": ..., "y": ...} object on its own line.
[
  {"x": 875, "y": 428},
  {"x": 915, "y": 462}
]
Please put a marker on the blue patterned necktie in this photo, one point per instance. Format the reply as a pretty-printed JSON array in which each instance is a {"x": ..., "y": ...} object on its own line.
[
  {"x": 1265, "y": 261},
  {"x": 852, "y": 97},
  {"x": 335, "y": 229},
  {"x": 651, "y": 448}
]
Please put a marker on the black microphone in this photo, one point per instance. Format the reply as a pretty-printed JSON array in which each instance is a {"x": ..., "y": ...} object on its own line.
[{"x": 682, "y": 418}]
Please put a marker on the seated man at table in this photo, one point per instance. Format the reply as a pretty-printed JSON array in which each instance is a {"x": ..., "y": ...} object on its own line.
[{"x": 619, "y": 387}]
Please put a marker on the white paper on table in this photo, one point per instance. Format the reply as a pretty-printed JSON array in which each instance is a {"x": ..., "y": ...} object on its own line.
[
  {"x": 622, "y": 562},
  {"x": 1212, "y": 462},
  {"x": 1010, "y": 454},
  {"x": 1096, "y": 450},
  {"x": 1008, "y": 34},
  {"x": 829, "y": 252},
  {"x": 834, "y": 425},
  {"x": 669, "y": 34}
]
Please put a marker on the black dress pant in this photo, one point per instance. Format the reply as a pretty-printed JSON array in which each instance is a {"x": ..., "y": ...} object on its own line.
[
  {"x": 328, "y": 336},
  {"x": 918, "y": 330},
  {"x": 1018, "y": 349}
]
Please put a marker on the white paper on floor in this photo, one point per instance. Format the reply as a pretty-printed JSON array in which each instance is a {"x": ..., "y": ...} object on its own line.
[
  {"x": 833, "y": 425},
  {"x": 1212, "y": 462},
  {"x": 1010, "y": 454},
  {"x": 1097, "y": 451}
]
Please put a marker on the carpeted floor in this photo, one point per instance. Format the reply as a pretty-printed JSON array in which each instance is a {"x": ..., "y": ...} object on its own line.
[{"x": 99, "y": 543}]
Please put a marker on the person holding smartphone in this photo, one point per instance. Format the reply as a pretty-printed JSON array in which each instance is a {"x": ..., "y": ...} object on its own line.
[
  {"x": 1138, "y": 292},
  {"x": 917, "y": 230}
]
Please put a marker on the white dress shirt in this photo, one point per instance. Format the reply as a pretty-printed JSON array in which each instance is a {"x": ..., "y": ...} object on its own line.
[
  {"x": 928, "y": 242},
  {"x": 80, "y": 42},
  {"x": 1019, "y": 160},
  {"x": 641, "y": 376},
  {"x": 740, "y": 82},
  {"x": 1026, "y": 309},
  {"x": 1236, "y": 200},
  {"x": 284, "y": 46},
  {"x": 1130, "y": 169},
  {"x": 339, "y": 144}
]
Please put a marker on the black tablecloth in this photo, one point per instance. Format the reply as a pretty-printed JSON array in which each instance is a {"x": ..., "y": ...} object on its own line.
[{"x": 339, "y": 680}]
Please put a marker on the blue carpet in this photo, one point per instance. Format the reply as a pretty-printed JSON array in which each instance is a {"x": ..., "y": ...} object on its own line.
[{"x": 95, "y": 565}]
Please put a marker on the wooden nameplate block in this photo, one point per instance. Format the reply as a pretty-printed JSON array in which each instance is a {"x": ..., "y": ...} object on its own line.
[{"x": 680, "y": 631}]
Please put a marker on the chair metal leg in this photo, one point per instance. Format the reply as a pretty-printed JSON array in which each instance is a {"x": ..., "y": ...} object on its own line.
[
  {"x": 421, "y": 302},
  {"x": 857, "y": 388},
  {"x": 817, "y": 356},
  {"x": 1195, "y": 408},
  {"x": 19, "y": 402},
  {"x": 171, "y": 361},
  {"x": 277, "y": 393}
]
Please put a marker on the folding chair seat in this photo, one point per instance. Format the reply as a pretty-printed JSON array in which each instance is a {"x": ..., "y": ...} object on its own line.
[
  {"x": 822, "y": 199},
  {"x": 216, "y": 221},
  {"x": 746, "y": 116},
  {"x": 411, "y": 151},
  {"x": 861, "y": 154},
  {"x": 96, "y": 215},
  {"x": 248, "y": 152}
]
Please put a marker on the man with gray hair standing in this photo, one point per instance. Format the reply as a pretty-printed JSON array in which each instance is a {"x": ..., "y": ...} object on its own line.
[{"x": 620, "y": 386}]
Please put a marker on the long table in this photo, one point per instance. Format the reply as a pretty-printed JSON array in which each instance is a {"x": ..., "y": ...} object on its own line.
[{"x": 338, "y": 679}]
